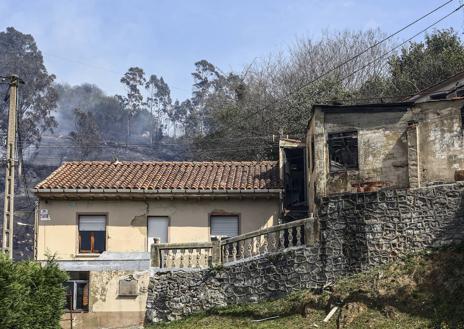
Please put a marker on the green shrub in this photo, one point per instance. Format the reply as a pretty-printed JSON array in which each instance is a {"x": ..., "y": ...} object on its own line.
[{"x": 31, "y": 295}]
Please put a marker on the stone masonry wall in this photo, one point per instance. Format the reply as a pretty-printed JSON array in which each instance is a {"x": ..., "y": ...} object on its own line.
[
  {"x": 357, "y": 231},
  {"x": 367, "y": 229},
  {"x": 175, "y": 294}
]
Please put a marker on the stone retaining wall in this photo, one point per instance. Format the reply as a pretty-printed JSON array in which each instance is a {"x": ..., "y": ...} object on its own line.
[
  {"x": 357, "y": 231},
  {"x": 175, "y": 294},
  {"x": 361, "y": 230}
]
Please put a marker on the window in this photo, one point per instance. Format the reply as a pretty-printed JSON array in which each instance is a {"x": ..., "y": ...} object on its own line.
[
  {"x": 225, "y": 226},
  {"x": 343, "y": 151},
  {"x": 92, "y": 233},
  {"x": 157, "y": 228},
  {"x": 77, "y": 291}
]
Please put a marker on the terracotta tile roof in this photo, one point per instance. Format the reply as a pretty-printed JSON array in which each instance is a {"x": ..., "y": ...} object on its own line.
[{"x": 244, "y": 175}]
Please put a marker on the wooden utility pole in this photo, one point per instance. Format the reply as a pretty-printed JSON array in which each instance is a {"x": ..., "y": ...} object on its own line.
[{"x": 8, "y": 210}]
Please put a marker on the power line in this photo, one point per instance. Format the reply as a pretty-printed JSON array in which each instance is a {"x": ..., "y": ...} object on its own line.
[
  {"x": 375, "y": 45},
  {"x": 371, "y": 62},
  {"x": 114, "y": 144},
  {"x": 289, "y": 94},
  {"x": 404, "y": 42},
  {"x": 274, "y": 146}
]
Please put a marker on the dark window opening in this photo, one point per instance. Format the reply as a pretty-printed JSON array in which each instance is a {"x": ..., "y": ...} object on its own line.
[
  {"x": 313, "y": 154},
  {"x": 343, "y": 151},
  {"x": 77, "y": 291},
  {"x": 462, "y": 118},
  {"x": 295, "y": 203},
  {"x": 92, "y": 234}
]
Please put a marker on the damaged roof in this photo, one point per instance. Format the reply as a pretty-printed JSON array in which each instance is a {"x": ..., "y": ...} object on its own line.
[
  {"x": 164, "y": 176},
  {"x": 363, "y": 106},
  {"x": 452, "y": 86}
]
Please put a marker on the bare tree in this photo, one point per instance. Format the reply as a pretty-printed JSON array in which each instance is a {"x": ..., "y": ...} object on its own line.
[
  {"x": 276, "y": 94},
  {"x": 158, "y": 102},
  {"x": 133, "y": 80},
  {"x": 86, "y": 135}
]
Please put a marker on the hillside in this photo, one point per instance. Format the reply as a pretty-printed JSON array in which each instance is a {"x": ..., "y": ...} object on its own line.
[{"x": 420, "y": 291}]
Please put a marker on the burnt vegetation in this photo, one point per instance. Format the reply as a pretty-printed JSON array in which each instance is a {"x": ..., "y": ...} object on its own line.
[{"x": 229, "y": 116}]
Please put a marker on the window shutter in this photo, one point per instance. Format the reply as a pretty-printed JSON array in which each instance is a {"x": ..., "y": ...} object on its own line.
[
  {"x": 224, "y": 225},
  {"x": 158, "y": 228},
  {"x": 92, "y": 223},
  {"x": 85, "y": 295}
]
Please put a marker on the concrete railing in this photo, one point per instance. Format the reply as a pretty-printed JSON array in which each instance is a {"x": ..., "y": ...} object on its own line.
[
  {"x": 272, "y": 239},
  {"x": 181, "y": 255},
  {"x": 217, "y": 252}
]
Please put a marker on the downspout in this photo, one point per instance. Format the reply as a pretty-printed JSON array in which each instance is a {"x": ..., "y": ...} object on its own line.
[
  {"x": 282, "y": 160},
  {"x": 147, "y": 211},
  {"x": 36, "y": 227}
]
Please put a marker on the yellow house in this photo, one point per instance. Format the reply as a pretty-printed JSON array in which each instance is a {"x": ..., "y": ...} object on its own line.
[{"x": 100, "y": 218}]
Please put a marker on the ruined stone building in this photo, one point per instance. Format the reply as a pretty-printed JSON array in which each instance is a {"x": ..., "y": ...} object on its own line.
[{"x": 367, "y": 147}]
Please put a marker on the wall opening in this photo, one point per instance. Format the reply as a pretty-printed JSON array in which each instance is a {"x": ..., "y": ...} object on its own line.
[
  {"x": 462, "y": 119},
  {"x": 77, "y": 291},
  {"x": 343, "y": 151},
  {"x": 295, "y": 203}
]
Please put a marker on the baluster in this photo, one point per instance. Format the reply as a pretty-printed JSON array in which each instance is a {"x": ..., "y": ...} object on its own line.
[
  {"x": 252, "y": 245},
  {"x": 266, "y": 243},
  {"x": 182, "y": 253},
  {"x": 234, "y": 250},
  {"x": 275, "y": 241},
  {"x": 282, "y": 239},
  {"x": 170, "y": 258},
  {"x": 242, "y": 249},
  {"x": 197, "y": 257},
  {"x": 166, "y": 258},
  {"x": 298, "y": 235},
  {"x": 173, "y": 257},
  {"x": 226, "y": 252},
  {"x": 290, "y": 237},
  {"x": 162, "y": 258},
  {"x": 206, "y": 257},
  {"x": 249, "y": 247},
  {"x": 189, "y": 258},
  {"x": 167, "y": 254}
]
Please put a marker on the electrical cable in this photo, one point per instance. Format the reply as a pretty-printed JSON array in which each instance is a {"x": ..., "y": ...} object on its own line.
[{"x": 375, "y": 60}]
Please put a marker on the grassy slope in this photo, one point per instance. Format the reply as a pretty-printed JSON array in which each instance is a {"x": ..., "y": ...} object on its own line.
[{"x": 420, "y": 291}]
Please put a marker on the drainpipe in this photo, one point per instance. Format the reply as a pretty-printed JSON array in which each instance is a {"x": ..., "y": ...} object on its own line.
[{"x": 36, "y": 227}]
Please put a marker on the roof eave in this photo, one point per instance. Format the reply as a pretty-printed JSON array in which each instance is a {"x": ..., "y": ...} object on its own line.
[{"x": 152, "y": 191}]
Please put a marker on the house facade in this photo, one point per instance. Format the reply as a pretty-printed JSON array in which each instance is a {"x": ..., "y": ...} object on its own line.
[
  {"x": 361, "y": 148},
  {"x": 99, "y": 219}
]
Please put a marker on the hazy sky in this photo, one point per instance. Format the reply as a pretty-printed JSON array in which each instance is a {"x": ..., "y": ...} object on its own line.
[{"x": 97, "y": 40}]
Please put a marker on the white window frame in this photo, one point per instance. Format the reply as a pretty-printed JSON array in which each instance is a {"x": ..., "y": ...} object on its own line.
[
  {"x": 79, "y": 216},
  {"x": 74, "y": 294}
]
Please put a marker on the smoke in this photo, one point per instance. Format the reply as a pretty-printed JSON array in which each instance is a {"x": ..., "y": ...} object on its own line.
[{"x": 84, "y": 97}]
